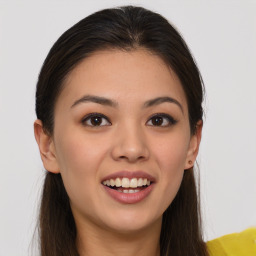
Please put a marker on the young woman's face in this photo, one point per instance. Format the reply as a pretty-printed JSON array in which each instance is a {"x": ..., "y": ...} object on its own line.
[{"x": 121, "y": 123}]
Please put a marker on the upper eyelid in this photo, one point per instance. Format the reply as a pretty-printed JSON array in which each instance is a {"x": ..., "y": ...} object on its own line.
[
  {"x": 162, "y": 115},
  {"x": 171, "y": 119},
  {"x": 93, "y": 115}
]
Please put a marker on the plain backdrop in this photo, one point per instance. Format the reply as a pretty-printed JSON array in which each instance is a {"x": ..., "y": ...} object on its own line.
[{"x": 222, "y": 38}]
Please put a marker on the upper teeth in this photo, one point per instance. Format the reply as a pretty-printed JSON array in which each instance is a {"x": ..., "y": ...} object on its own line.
[{"x": 126, "y": 183}]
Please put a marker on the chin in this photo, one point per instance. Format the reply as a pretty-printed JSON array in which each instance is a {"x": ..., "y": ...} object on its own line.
[{"x": 130, "y": 222}]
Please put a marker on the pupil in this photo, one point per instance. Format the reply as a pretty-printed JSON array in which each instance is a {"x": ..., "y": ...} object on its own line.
[
  {"x": 96, "y": 121},
  {"x": 157, "y": 121}
]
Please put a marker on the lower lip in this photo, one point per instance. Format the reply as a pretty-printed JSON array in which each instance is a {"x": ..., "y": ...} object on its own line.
[{"x": 129, "y": 198}]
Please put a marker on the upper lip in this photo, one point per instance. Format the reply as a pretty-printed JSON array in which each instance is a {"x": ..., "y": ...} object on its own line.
[{"x": 129, "y": 175}]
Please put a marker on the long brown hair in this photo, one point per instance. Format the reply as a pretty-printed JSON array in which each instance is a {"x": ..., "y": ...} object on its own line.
[{"x": 125, "y": 28}]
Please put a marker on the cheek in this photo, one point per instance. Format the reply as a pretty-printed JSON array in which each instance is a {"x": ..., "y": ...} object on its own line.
[
  {"x": 171, "y": 157},
  {"x": 171, "y": 153},
  {"x": 78, "y": 152},
  {"x": 79, "y": 159}
]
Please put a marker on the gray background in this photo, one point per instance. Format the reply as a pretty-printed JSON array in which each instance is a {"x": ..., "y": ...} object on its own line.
[{"x": 221, "y": 36}]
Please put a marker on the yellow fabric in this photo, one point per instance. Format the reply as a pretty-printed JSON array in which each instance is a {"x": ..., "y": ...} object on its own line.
[{"x": 237, "y": 244}]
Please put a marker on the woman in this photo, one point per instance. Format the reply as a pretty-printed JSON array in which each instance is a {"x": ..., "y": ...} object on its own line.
[{"x": 119, "y": 125}]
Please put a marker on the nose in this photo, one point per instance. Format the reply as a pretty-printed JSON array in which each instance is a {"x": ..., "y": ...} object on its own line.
[{"x": 130, "y": 144}]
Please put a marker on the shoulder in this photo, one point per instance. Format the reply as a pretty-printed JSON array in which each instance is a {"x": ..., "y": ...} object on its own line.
[{"x": 237, "y": 244}]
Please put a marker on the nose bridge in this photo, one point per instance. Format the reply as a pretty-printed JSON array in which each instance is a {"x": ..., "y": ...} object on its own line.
[{"x": 130, "y": 142}]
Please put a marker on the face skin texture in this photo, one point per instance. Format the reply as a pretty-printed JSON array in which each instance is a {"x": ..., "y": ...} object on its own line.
[{"x": 127, "y": 139}]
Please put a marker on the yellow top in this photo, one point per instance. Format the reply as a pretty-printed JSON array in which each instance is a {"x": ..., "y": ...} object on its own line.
[{"x": 237, "y": 244}]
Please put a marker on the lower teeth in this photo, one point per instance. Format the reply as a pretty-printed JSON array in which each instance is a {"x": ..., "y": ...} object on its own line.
[{"x": 128, "y": 190}]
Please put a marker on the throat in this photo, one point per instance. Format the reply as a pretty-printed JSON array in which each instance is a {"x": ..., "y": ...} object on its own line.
[{"x": 143, "y": 242}]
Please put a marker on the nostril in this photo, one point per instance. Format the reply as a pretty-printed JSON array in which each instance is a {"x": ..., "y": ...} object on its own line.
[
  {"x": 129, "y": 151},
  {"x": 132, "y": 158}
]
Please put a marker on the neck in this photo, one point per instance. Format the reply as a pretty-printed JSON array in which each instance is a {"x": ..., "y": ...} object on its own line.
[{"x": 96, "y": 241}]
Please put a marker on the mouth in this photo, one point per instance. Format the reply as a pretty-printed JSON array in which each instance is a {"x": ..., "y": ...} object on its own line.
[
  {"x": 126, "y": 185},
  {"x": 129, "y": 187}
]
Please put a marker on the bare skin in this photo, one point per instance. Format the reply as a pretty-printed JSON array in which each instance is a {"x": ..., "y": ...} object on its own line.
[
  {"x": 141, "y": 124},
  {"x": 106, "y": 242}
]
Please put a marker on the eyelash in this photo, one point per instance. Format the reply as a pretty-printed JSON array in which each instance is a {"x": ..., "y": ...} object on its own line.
[
  {"x": 91, "y": 115},
  {"x": 171, "y": 121}
]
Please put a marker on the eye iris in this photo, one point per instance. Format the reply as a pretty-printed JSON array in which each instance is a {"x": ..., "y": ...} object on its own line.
[
  {"x": 96, "y": 120},
  {"x": 157, "y": 121}
]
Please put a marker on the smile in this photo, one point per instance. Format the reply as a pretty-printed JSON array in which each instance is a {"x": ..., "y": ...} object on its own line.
[{"x": 126, "y": 185}]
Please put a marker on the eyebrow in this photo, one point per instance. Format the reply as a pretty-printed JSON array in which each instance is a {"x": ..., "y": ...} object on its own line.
[
  {"x": 160, "y": 100},
  {"x": 112, "y": 103},
  {"x": 96, "y": 99}
]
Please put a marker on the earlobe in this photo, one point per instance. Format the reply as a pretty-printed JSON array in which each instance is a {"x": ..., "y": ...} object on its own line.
[
  {"x": 46, "y": 148},
  {"x": 194, "y": 146}
]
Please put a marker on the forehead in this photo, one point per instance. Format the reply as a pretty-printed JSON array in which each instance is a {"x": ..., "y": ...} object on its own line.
[{"x": 136, "y": 75}]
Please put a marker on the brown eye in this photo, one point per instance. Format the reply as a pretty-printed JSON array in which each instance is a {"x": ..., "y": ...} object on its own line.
[
  {"x": 96, "y": 120},
  {"x": 162, "y": 120},
  {"x": 157, "y": 121}
]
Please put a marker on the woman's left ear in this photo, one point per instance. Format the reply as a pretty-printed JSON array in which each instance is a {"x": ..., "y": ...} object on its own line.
[{"x": 194, "y": 146}]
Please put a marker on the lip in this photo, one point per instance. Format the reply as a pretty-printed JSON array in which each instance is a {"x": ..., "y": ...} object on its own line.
[
  {"x": 129, "y": 175},
  {"x": 129, "y": 198}
]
